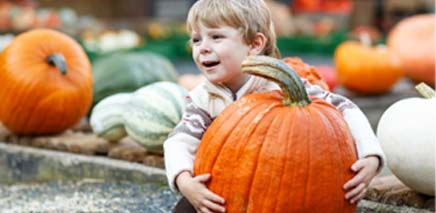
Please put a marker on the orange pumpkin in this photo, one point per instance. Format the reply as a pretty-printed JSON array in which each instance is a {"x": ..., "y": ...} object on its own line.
[
  {"x": 46, "y": 83},
  {"x": 306, "y": 71},
  {"x": 274, "y": 152},
  {"x": 365, "y": 69},
  {"x": 413, "y": 40}
]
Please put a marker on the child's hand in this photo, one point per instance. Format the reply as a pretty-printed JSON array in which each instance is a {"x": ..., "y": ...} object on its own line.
[
  {"x": 365, "y": 169},
  {"x": 195, "y": 190}
]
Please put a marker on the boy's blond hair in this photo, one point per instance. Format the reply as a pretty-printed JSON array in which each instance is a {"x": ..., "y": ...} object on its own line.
[{"x": 249, "y": 16}]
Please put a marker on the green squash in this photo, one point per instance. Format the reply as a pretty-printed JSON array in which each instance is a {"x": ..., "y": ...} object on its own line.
[
  {"x": 148, "y": 115},
  {"x": 128, "y": 71}
]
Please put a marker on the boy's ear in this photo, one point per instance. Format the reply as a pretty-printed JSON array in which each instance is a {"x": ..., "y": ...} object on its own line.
[{"x": 258, "y": 44}]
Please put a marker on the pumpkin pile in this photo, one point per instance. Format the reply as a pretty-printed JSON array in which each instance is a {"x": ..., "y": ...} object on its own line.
[
  {"x": 278, "y": 151},
  {"x": 46, "y": 83},
  {"x": 147, "y": 115}
]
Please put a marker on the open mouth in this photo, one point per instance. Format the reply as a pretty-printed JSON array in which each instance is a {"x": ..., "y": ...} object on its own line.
[{"x": 209, "y": 64}]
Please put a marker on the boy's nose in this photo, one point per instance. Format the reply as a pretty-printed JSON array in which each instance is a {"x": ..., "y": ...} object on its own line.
[{"x": 204, "y": 48}]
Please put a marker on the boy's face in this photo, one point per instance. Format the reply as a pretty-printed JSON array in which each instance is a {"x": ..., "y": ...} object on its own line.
[{"x": 218, "y": 54}]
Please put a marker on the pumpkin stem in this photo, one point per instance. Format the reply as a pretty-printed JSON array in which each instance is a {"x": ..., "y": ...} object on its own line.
[
  {"x": 276, "y": 70},
  {"x": 425, "y": 90},
  {"x": 57, "y": 60}
]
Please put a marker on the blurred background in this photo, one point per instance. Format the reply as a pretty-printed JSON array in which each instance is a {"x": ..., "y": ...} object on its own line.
[
  {"x": 309, "y": 29},
  {"x": 313, "y": 27}
]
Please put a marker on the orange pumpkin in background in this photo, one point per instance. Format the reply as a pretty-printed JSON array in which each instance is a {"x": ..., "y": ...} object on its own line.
[
  {"x": 278, "y": 151},
  {"x": 46, "y": 83},
  {"x": 413, "y": 40},
  {"x": 306, "y": 71},
  {"x": 365, "y": 69}
]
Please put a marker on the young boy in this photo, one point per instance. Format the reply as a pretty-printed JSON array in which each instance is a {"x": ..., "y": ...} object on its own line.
[{"x": 223, "y": 34}]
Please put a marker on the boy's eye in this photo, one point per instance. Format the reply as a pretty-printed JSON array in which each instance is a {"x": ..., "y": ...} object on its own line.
[
  {"x": 217, "y": 36},
  {"x": 195, "y": 40}
]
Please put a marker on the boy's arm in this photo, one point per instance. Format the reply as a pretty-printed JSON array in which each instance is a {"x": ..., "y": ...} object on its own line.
[
  {"x": 183, "y": 141},
  {"x": 179, "y": 153},
  {"x": 366, "y": 142}
]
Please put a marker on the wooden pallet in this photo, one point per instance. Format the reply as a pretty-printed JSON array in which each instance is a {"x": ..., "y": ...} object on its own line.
[
  {"x": 388, "y": 189},
  {"x": 81, "y": 140}
]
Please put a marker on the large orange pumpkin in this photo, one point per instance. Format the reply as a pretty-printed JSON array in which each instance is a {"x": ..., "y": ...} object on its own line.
[
  {"x": 413, "y": 40},
  {"x": 278, "y": 152},
  {"x": 306, "y": 71},
  {"x": 46, "y": 83},
  {"x": 365, "y": 69}
]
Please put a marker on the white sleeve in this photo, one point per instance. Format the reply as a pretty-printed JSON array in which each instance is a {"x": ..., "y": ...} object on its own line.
[
  {"x": 366, "y": 142},
  {"x": 182, "y": 143},
  {"x": 179, "y": 152}
]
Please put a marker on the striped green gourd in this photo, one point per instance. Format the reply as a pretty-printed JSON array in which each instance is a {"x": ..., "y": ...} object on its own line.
[
  {"x": 147, "y": 116},
  {"x": 106, "y": 117},
  {"x": 129, "y": 71}
]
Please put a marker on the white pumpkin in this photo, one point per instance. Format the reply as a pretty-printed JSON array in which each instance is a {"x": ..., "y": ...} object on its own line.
[{"x": 407, "y": 133}]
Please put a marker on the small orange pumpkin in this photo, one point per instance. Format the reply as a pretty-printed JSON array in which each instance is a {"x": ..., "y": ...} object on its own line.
[
  {"x": 365, "y": 69},
  {"x": 274, "y": 152},
  {"x": 306, "y": 71},
  {"x": 46, "y": 83},
  {"x": 413, "y": 40}
]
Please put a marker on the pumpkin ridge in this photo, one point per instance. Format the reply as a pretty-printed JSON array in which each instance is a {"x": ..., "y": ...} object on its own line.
[
  {"x": 210, "y": 136},
  {"x": 310, "y": 203},
  {"x": 289, "y": 120},
  {"x": 41, "y": 108},
  {"x": 16, "y": 103},
  {"x": 14, "y": 108},
  {"x": 325, "y": 121},
  {"x": 285, "y": 171},
  {"x": 288, "y": 124},
  {"x": 308, "y": 120},
  {"x": 292, "y": 196},
  {"x": 229, "y": 158},
  {"x": 30, "y": 112},
  {"x": 150, "y": 113},
  {"x": 264, "y": 116},
  {"x": 28, "y": 118},
  {"x": 146, "y": 132},
  {"x": 283, "y": 124},
  {"x": 341, "y": 148},
  {"x": 166, "y": 93}
]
